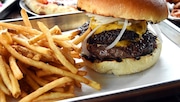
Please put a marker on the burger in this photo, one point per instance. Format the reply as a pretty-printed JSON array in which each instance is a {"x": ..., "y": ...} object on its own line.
[{"x": 123, "y": 37}]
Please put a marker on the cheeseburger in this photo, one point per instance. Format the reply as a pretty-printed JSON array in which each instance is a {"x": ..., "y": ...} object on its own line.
[{"x": 120, "y": 41}]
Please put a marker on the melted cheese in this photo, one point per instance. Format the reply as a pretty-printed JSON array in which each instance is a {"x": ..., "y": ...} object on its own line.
[
  {"x": 122, "y": 43},
  {"x": 138, "y": 26}
]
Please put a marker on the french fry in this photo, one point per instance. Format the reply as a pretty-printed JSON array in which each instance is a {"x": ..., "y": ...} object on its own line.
[
  {"x": 14, "y": 82},
  {"x": 68, "y": 56},
  {"x": 6, "y": 37},
  {"x": 15, "y": 69},
  {"x": 1, "y": 28},
  {"x": 42, "y": 73},
  {"x": 16, "y": 92},
  {"x": 36, "y": 38},
  {"x": 44, "y": 66},
  {"x": 32, "y": 82},
  {"x": 58, "y": 89},
  {"x": 81, "y": 73},
  {"x": 29, "y": 79},
  {"x": 61, "y": 37},
  {"x": 47, "y": 87},
  {"x": 76, "y": 32},
  {"x": 94, "y": 84},
  {"x": 39, "y": 49},
  {"x": 51, "y": 78},
  {"x": 75, "y": 54},
  {"x": 57, "y": 53},
  {"x": 25, "y": 18},
  {"x": 20, "y": 28},
  {"x": 22, "y": 36},
  {"x": 67, "y": 44},
  {"x": 38, "y": 80},
  {"x": 4, "y": 74},
  {"x": 54, "y": 95},
  {"x": 82, "y": 37},
  {"x": 71, "y": 89},
  {"x": 31, "y": 54},
  {"x": 37, "y": 57},
  {"x": 2, "y": 96},
  {"x": 4, "y": 88},
  {"x": 3, "y": 51},
  {"x": 43, "y": 42},
  {"x": 66, "y": 36},
  {"x": 55, "y": 30},
  {"x": 40, "y": 65},
  {"x": 77, "y": 83},
  {"x": 80, "y": 64}
]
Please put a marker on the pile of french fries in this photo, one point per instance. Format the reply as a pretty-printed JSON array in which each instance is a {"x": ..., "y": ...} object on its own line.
[{"x": 39, "y": 65}]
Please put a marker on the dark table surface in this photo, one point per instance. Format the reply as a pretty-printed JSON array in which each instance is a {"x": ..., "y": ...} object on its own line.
[{"x": 168, "y": 92}]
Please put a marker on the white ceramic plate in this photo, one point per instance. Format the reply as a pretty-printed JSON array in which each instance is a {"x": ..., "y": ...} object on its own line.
[{"x": 23, "y": 6}]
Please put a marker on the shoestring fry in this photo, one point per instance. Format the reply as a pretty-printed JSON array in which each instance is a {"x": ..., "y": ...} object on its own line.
[{"x": 36, "y": 64}]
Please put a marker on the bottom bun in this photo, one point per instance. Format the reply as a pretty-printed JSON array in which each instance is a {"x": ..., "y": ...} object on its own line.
[{"x": 128, "y": 65}]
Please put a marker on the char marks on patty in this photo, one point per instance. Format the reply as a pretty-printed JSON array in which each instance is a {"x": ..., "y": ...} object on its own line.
[{"x": 135, "y": 49}]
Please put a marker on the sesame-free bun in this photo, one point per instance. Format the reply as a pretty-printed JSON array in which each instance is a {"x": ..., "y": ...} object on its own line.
[
  {"x": 128, "y": 65},
  {"x": 149, "y": 10}
]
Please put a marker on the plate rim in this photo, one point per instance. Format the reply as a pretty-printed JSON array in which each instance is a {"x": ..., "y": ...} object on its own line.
[{"x": 23, "y": 6}]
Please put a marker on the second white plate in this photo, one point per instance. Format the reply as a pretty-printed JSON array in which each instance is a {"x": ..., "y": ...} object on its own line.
[{"x": 23, "y": 6}]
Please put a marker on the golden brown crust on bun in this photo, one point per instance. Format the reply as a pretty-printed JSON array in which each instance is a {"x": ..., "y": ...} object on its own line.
[
  {"x": 149, "y": 10},
  {"x": 128, "y": 65}
]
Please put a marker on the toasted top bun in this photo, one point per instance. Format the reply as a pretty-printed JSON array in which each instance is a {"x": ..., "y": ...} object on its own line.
[{"x": 149, "y": 10}]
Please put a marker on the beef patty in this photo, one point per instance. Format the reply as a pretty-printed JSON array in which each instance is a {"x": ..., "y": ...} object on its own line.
[{"x": 135, "y": 49}]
